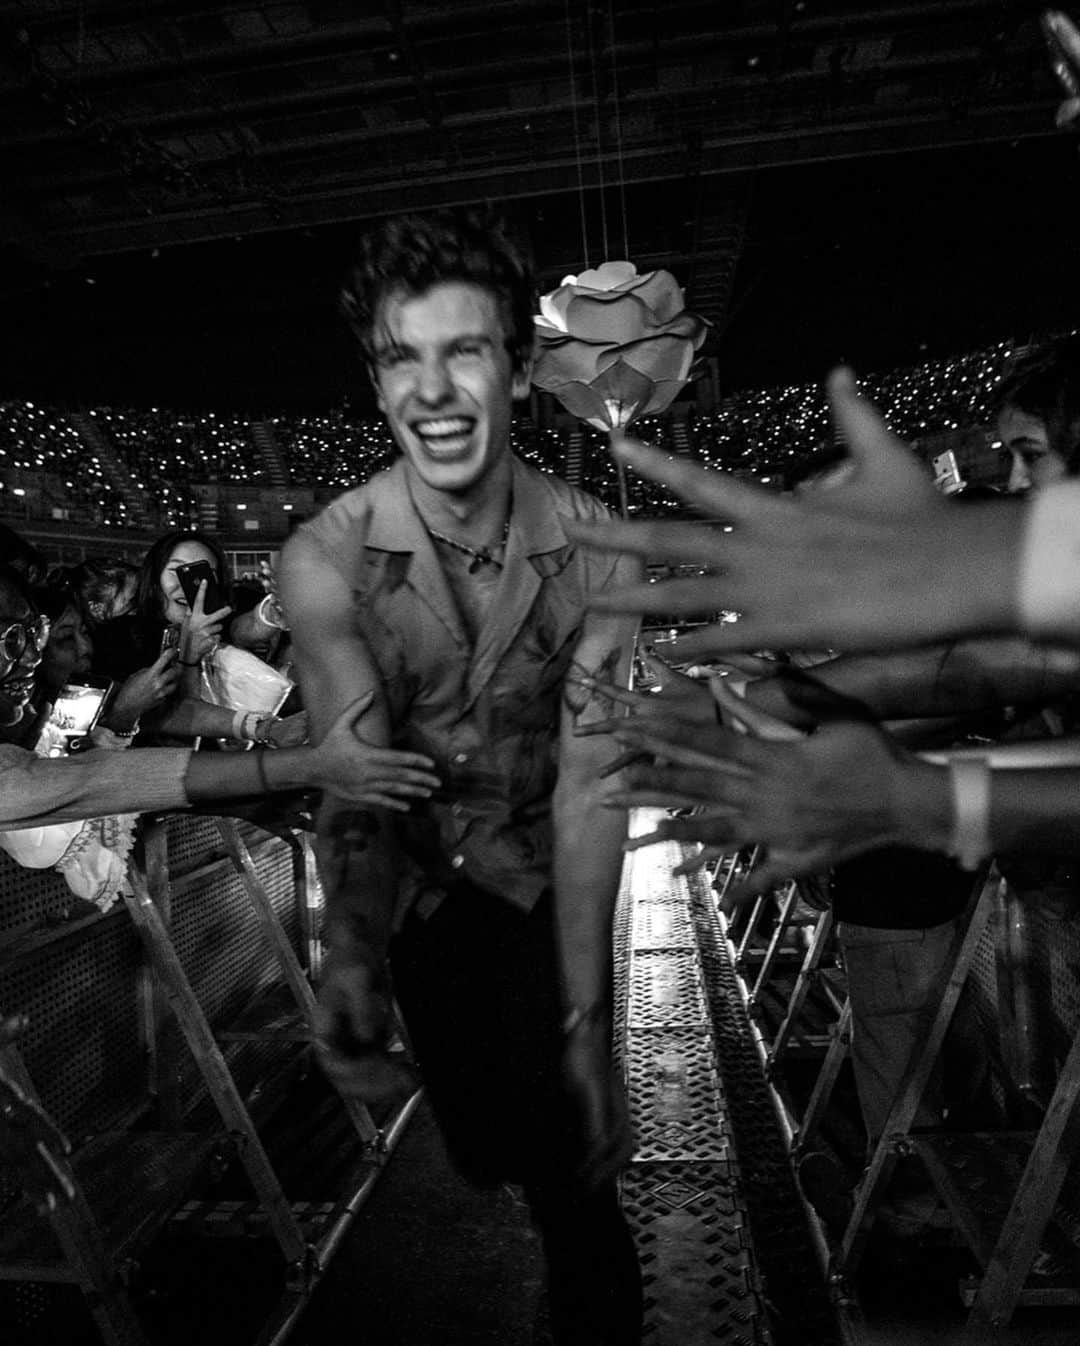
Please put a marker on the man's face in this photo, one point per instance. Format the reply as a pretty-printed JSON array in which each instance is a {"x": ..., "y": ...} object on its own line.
[
  {"x": 446, "y": 383},
  {"x": 1034, "y": 462}
]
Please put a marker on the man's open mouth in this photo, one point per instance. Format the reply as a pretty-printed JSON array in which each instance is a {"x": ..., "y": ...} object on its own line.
[{"x": 445, "y": 435}]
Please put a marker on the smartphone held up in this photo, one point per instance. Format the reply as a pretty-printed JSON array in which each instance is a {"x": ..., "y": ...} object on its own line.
[
  {"x": 191, "y": 576},
  {"x": 71, "y": 721}
]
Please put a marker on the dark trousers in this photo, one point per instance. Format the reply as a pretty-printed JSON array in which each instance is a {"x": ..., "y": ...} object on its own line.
[{"x": 477, "y": 982}]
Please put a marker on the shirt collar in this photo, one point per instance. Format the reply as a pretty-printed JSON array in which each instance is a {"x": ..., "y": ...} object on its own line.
[{"x": 396, "y": 526}]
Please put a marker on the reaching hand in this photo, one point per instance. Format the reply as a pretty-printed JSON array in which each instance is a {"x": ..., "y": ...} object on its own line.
[
  {"x": 30, "y": 1143},
  {"x": 352, "y": 1028},
  {"x": 685, "y": 698},
  {"x": 291, "y": 731},
  {"x": 878, "y": 561},
  {"x": 812, "y": 802},
  {"x": 349, "y": 766},
  {"x": 200, "y": 633},
  {"x": 145, "y": 690}
]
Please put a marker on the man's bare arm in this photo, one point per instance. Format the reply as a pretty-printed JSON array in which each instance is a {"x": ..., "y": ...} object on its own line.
[
  {"x": 588, "y": 866},
  {"x": 353, "y": 845}
]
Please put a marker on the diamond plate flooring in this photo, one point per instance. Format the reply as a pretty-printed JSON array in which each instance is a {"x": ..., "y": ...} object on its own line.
[{"x": 685, "y": 1191}]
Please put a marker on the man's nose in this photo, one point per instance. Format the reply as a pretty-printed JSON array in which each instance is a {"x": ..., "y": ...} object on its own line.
[{"x": 433, "y": 382}]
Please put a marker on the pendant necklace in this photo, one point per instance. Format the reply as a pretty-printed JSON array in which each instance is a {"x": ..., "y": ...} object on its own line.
[{"x": 481, "y": 555}]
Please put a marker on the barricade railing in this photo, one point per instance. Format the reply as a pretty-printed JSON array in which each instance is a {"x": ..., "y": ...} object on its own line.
[
  {"x": 1007, "y": 1186},
  {"x": 162, "y": 1036}
]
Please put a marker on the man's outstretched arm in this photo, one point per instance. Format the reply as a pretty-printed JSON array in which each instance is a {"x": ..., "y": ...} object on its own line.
[
  {"x": 353, "y": 845},
  {"x": 588, "y": 866}
]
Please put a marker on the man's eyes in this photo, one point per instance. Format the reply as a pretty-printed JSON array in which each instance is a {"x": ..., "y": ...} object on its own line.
[{"x": 460, "y": 350}]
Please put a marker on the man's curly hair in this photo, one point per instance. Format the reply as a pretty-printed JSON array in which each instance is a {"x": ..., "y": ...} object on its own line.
[{"x": 411, "y": 253}]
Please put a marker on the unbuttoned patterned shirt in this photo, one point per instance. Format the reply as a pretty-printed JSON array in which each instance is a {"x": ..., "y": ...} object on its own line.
[{"x": 488, "y": 712}]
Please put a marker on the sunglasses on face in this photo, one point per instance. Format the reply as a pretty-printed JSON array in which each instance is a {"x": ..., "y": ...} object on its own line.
[{"x": 17, "y": 636}]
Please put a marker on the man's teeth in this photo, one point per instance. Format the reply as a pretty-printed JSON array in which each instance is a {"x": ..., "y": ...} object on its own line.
[{"x": 447, "y": 428}]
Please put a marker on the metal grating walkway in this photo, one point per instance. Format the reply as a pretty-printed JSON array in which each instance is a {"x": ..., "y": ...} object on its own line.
[{"x": 691, "y": 1202}]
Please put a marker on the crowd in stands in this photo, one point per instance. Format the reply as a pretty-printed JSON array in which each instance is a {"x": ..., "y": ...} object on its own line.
[
  {"x": 183, "y": 447},
  {"x": 331, "y": 450},
  {"x": 776, "y": 433},
  {"x": 40, "y": 451}
]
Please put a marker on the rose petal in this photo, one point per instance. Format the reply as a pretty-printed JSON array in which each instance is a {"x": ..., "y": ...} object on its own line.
[
  {"x": 662, "y": 295},
  {"x": 546, "y": 333},
  {"x": 607, "y": 276},
  {"x": 551, "y": 312},
  {"x": 580, "y": 399},
  {"x": 625, "y": 391},
  {"x": 663, "y": 394},
  {"x": 614, "y": 317},
  {"x": 567, "y": 361},
  {"x": 659, "y": 357}
]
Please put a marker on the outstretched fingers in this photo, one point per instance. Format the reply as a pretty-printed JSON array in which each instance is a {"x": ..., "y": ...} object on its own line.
[
  {"x": 717, "y": 494},
  {"x": 666, "y": 741},
  {"x": 890, "y": 479},
  {"x": 651, "y": 538},
  {"x": 715, "y": 826}
]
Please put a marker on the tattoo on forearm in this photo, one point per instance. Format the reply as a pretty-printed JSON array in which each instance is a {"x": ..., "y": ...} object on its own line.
[{"x": 587, "y": 703}]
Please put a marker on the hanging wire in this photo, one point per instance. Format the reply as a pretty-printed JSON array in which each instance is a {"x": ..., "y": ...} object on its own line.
[
  {"x": 618, "y": 129},
  {"x": 577, "y": 137},
  {"x": 599, "y": 141}
]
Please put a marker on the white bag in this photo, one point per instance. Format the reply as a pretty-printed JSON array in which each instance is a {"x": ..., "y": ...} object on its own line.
[{"x": 240, "y": 680}]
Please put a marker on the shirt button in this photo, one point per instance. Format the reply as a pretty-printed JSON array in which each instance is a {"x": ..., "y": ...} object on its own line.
[
  {"x": 460, "y": 758},
  {"x": 457, "y": 861}
]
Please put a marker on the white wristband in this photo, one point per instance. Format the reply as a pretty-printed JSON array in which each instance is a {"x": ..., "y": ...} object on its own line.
[
  {"x": 1049, "y": 579},
  {"x": 969, "y": 778}
]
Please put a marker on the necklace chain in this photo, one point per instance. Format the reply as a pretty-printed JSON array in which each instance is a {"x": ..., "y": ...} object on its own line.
[{"x": 481, "y": 555}]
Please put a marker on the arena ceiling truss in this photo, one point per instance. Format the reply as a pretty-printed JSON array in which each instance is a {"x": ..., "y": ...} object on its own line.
[{"x": 135, "y": 124}]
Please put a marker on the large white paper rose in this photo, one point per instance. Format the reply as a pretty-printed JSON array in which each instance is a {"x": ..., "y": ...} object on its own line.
[{"x": 614, "y": 345}]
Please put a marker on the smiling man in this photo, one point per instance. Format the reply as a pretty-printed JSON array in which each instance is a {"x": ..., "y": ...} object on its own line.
[{"x": 449, "y": 586}]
